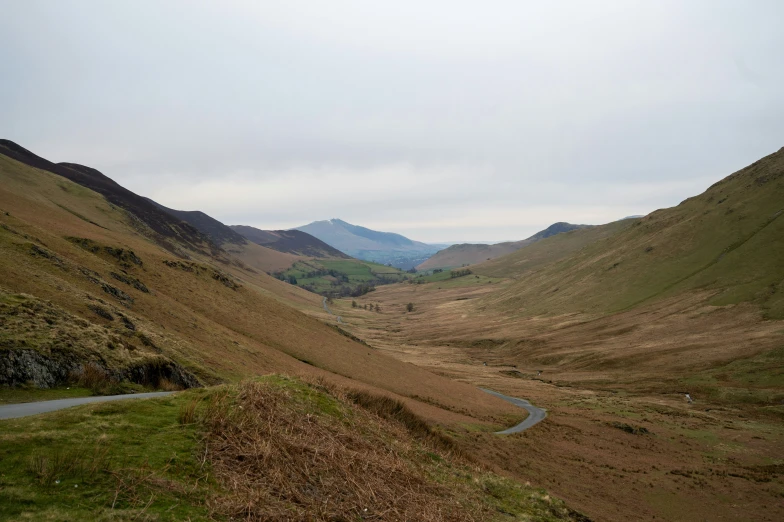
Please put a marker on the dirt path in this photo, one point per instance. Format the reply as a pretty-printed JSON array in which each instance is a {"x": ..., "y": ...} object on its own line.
[{"x": 14, "y": 411}]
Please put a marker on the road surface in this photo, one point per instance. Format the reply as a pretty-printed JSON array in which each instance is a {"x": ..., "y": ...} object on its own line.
[
  {"x": 535, "y": 415},
  {"x": 13, "y": 411},
  {"x": 340, "y": 320}
]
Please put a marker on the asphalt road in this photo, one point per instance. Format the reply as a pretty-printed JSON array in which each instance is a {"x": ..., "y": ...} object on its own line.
[
  {"x": 13, "y": 411},
  {"x": 535, "y": 415},
  {"x": 340, "y": 319}
]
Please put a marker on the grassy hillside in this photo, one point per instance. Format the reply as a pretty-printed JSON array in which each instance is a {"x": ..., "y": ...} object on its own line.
[
  {"x": 219, "y": 233},
  {"x": 270, "y": 449},
  {"x": 728, "y": 241},
  {"x": 469, "y": 254},
  {"x": 168, "y": 231},
  {"x": 546, "y": 251},
  {"x": 218, "y": 319}
]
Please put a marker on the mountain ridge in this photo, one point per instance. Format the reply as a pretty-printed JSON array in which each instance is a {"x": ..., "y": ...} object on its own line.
[
  {"x": 291, "y": 241},
  {"x": 472, "y": 253}
]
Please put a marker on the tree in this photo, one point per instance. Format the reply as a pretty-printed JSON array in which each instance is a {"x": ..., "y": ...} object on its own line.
[
  {"x": 378, "y": 308},
  {"x": 410, "y": 307},
  {"x": 292, "y": 280},
  {"x": 353, "y": 304}
]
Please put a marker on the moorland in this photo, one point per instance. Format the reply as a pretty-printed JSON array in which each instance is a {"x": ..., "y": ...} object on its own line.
[{"x": 282, "y": 412}]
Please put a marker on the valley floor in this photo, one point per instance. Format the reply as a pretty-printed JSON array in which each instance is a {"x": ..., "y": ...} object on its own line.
[{"x": 620, "y": 442}]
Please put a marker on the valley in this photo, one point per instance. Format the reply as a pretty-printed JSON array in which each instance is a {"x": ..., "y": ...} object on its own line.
[
  {"x": 608, "y": 329},
  {"x": 605, "y": 329},
  {"x": 391, "y": 262},
  {"x": 620, "y": 439}
]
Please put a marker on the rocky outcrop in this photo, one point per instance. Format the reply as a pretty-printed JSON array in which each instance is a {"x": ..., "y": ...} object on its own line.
[
  {"x": 18, "y": 367},
  {"x": 27, "y": 366}
]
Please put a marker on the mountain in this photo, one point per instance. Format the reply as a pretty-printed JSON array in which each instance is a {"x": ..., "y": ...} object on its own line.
[
  {"x": 219, "y": 233},
  {"x": 727, "y": 243},
  {"x": 547, "y": 250},
  {"x": 370, "y": 245},
  {"x": 290, "y": 241},
  {"x": 675, "y": 315},
  {"x": 93, "y": 299},
  {"x": 85, "y": 283},
  {"x": 469, "y": 254},
  {"x": 165, "y": 229}
]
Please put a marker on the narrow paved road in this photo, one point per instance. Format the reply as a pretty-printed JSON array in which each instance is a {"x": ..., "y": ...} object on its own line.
[
  {"x": 13, "y": 411},
  {"x": 535, "y": 415},
  {"x": 340, "y": 320}
]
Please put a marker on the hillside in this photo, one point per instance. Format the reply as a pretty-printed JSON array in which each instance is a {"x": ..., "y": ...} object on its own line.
[
  {"x": 274, "y": 448},
  {"x": 219, "y": 233},
  {"x": 161, "y": 226},
  {"x": 370, "y": 245},
  {"x": 290, "y": 241},
  {"x": 609, "y": 328},
  {"x": 470, "y": 254},
  {"x": 727, "y": 242},
  {"x": 91, "y": 285},
  {"x": 548, "y": 250}
]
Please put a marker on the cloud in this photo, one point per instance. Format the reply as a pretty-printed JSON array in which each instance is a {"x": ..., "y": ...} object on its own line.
[{"x": 426, "y": 118}]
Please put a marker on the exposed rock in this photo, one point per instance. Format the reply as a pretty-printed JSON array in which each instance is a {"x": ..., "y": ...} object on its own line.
[
  {"x": 24, "y": 366},
  {"x": 130, "y": 281},
  {"x": 19, "y": 367}
]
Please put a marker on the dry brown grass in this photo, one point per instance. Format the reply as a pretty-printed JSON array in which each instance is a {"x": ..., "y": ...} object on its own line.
[
  {"x": 219, "y": 334},
  {"x": 394, "y": 410},
  {"x": 187, "y": 413},
  {"x": 280, "y": 464},
  {"x": 97, "y": 380},
  {"x": 625, "y": 368}
]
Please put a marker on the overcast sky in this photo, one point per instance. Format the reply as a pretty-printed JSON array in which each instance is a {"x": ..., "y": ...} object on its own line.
[{"x": 441, "y": 120}]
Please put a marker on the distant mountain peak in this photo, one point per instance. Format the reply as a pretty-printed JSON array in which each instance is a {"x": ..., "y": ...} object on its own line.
[{"x": 368, "y": 244}]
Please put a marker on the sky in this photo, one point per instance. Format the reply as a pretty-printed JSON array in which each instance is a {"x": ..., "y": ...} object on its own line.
[{"x": 440, "y": 120}]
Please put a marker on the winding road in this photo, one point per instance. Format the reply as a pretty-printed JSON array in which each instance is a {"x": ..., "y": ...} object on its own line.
[
  {"x": 340, "y": 320},
  {"x": 535, "y": 415},
  {"x": 14, "y": 411}
]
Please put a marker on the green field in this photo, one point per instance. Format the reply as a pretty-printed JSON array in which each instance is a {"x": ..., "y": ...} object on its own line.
[
  {"x": 454, "y": 278},
  {"x": 341, "y": 277}
]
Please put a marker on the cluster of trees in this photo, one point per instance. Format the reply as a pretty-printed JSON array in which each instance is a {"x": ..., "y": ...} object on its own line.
[
  {"x": 283, "y": 277},
  {"x": 460, "y": 273},
  {"x": 341, "y": 286},
  {"x": 370, "y": 307},
  {"x": 344, "y": 290},
  {"x": 340, "y": 276}
]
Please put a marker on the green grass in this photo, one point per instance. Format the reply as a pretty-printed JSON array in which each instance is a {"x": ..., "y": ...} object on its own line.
[
  {"x": 434, "y": 277},
  {"x": 356, "y": 272},
  {"x": 120, "y": 460},
  {"x": 447, "y": 281},
  {"x": 757, "y": 380},
  {"x": 33, "y": 394},
  {"x": 142, "y": 460}
]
